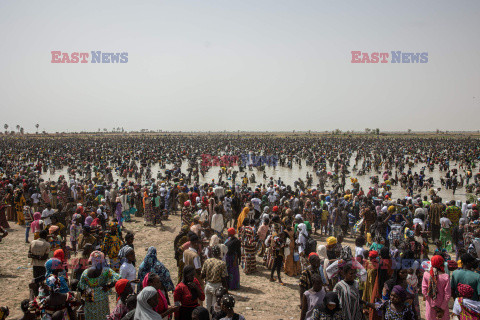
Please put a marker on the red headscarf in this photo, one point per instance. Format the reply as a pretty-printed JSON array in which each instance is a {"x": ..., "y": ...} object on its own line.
[
  {"x": 231, "y": 232},
  {"x": 312, "y": 254},
  {"x": 95, "y": 222},
  {"x": 437, "y": 262},
  {"x": 373, "y": 254},
  {"x": 59, "y": 254},
  {"x": 120, "y": 286},
  {"x": 437, "y": 265}
]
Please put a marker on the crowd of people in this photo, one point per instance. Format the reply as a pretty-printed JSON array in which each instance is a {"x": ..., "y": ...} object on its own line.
[{"x": 406, "y": 248}]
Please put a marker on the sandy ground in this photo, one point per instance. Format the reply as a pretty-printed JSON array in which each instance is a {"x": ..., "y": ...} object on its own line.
[{"x": 257, "y": 298}]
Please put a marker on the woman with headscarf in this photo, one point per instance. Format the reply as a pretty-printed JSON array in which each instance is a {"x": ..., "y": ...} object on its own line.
[
  {"x": 178, "y": 243},
  {"x": 249, "y": 247},
  {"x": 96, "y": 282},
  {"x": 56, "y": 267},
  {"x": 464, "y": 307},
  {"x": 118, "y": 211},
  {"x": 123, "y": 290},
  {"x": 147, "y": 301},
  {"x": 324, "y": 263},
  {"x": 111, "y": 246},
  {"x": 301, "y": 241},
  {"x": 187, "y": 293},
  {"x": 436, "y": 289},
  {"x": 37, "y": 225},
  {"x": 292, "y": 260},
  {"x": 371, "y": 265},
  {"x": 242, "y": 217},
  {"x": 232, "y": 258},
  {"x": 384, "y": 272},
  {"x": 458, "y": 236},
  {"x": 148, "y": 215},
  {"x": 88, "y": 221},
  {"x": 53, "y": 303},
  {"x": 395, "y": 308},
  {"x": 330, "y": 309},
  {"x": 151, "y": 265},
  {"x": 153, "y": 280},
  {"x": 19, "y": 203}
]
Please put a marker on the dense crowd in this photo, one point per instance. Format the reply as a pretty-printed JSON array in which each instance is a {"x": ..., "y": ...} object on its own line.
[{"x": 407, "y": 249}]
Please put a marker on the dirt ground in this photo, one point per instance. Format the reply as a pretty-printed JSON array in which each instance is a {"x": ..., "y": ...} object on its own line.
[{"x": 257, "y": 298}]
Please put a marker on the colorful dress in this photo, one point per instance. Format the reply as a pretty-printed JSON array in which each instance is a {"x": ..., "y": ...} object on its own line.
[
  {"x": 390, "y": 314},
  {"x": 292, "y": 267},
  {"x": 96, "y": 306},
  {"x": 148, "y": 215},
  {"x": 111, "y": 247},
  {"x": 466, "y": 309},
  {"x": 446, "y": 239},
  {"x": 249, "y": 249}
]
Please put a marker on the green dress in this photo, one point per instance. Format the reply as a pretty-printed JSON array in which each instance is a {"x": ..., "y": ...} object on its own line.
[
  {"x": 446, "y": 239},
  {"x": 98, "y": 308}
]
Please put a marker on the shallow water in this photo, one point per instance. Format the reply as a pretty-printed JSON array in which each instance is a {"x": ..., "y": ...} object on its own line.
[{"x": 288, "y": 176}]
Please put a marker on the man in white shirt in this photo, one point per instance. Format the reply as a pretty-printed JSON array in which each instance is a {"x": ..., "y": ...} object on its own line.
[
  {"x": 46, "y": 214},
  {"x": 36, "y": 199},
  {"x": 203, "y": 212},
  {"x": 219, "y": 191},
  {"x": 218, "y": 223},
  {"x": 272, "y": 198}
]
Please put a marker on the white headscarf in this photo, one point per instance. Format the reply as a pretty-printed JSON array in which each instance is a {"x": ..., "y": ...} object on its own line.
[
  {"x": 302, "y": 229},
  {"x": 144, "y": 311}
]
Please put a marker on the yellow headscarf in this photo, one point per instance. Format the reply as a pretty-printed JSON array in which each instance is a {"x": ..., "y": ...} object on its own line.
[{"x": 242, "y": 217}]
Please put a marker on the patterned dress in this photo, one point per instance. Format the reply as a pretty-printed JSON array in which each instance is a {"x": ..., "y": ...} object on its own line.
[
  {"x": 97, "y": 307},
  {"x": 111, "y": 247},
  {"x": 249, "y": 248},
  {"x": 390, "y": 314},
  {"x": 151, "y": 264},
  {"x": 148, "y": 215}
]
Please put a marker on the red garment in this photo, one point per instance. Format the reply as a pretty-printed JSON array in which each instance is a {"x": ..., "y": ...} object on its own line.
[
  {"x": 183, "y": 295},
  {"x": 437, "y": 262},
  {"x": 60, "y": 255},
  {"x": 95, "y": 223},
  {"x": 120, "y": 286}
]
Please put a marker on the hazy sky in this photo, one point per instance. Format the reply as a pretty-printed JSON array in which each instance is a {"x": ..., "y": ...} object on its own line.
[{"x": 237, "y": 64}]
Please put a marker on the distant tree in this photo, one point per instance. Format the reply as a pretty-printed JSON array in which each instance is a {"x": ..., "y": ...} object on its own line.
[
  {"x": 338, "y": 131},
  {"x": 18, "y": 127},
  {"x": 22, "y": 131},
  {"x": 409, "y": 130},
  {"x": 367, "y": 130},
  {"x": 438, "y": 131},
  {"x": 6, "y": 128},
  {"x": 377, "y": 131},
  {"x": 36, "y": 126},
  {"x": 104, "y": 129}
]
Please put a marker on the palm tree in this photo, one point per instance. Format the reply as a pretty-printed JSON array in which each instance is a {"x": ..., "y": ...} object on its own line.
[
  {"x": 6, "y": 127},
  {"x": 36, "y": 126},
  {"x": 18, "y": 127},
  {"x": 21, "y": 130}
]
